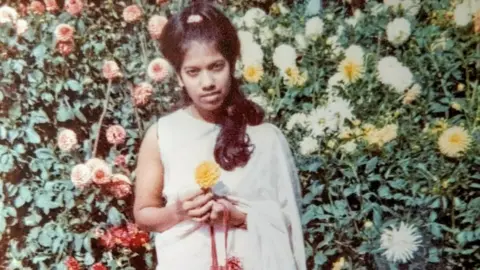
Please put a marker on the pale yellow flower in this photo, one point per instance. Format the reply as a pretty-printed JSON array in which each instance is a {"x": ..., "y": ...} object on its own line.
[
  {"x": 440, "y": 125},
  {"x": 456, "y": 106},
  {"x": 460, "y": 87},
  {"x": 253, "y": 73},
  {"x": 367, "y": 224},
  {"x": 412, "y": 94},
  {"x": 338, "y": 264},
  {"x": 454, "y": 142},
  {"x": 293, "y": 77},
  {"x": 351, "y": 70}
]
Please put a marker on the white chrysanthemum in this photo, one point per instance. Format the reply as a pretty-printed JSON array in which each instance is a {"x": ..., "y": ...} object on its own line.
[
  {"x": 314, "y": 28},
  {"x": 296, "y": 119},
  {"x": 353, "y": 20},
  {"x": 398, "y": 31},
  {"x": 402, "y": 80},
  {"x": 308, "y": 145},
  {"x": 391, "y": 72},
  {"x": 355, "y": 52},
  {"x": 252, "y": 54},
  {"x": 81, "y": 175},
  {"x": 8, "y": 15},
  {"x": 245, "y": 37},
  {"x": 253, "y": 16},
  {"x": 349, "y": 147},
  {"x": 462, "y": 14},
  {"x": 341, "y": 109},
  {"x": 321, "y": 121},
  {"x": 284, "y": 57},
  {"x": 262, "y": 101},
  {"x": 301, "y": 41},
  {"x": 401, "y": 243}
]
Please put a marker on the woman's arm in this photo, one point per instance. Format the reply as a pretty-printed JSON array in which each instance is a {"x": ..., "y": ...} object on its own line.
[{"x": 148, "y": 210}]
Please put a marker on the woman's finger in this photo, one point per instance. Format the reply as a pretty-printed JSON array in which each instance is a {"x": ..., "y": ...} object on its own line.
[{"x": 197, "y": 212}]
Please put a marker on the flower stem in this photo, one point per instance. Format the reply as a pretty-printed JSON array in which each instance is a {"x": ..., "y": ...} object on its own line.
[{"x": 105, "y": 106}]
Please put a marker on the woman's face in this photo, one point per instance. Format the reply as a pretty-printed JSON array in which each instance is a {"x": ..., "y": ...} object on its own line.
[{"x": 205, "y": 73}]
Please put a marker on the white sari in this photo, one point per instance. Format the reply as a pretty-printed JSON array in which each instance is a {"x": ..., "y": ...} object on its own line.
[{"x": 267, "y": 189}]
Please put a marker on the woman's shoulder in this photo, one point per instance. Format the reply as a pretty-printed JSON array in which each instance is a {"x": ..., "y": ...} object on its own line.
[
  {"x": 266, "y": 132},
  {"x": 169, "y": 118}
]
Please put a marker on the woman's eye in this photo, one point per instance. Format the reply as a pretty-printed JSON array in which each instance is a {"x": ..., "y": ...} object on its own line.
[
  {"x": 192, "y": 72},
  {"x": 218, "y": 66}
]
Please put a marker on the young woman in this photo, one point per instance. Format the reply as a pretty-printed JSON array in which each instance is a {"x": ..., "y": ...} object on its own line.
[{"x": 258, "y": 188}]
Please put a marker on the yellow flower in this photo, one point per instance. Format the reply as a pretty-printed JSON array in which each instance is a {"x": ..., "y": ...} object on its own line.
[
  {"x": 460, "y": 87},
  {"x": 345, "y": 134},
  {"x": 454, "y": 142},
  {"x": 456, "y": 106},
  {"x": 351, "y": 70},
  {"x": 338, "y": 264},
  {"x": 367, "y": 128},
  {"x": 356, "y": 122},
  {"x": 293, "y": 77},
  {"x": 253, "y": 73},
  {"x": 367, "y": 224},
  {"x": 331, "y": 144},
  {"x": 381, "y": 136},
  {"x": 445, "y": 184},
  {"x": 207, "y": 174}
]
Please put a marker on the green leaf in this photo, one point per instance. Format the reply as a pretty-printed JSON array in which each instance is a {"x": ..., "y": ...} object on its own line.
[
  {"x": 74, "y": 85},
  {"x": 44, "y": 239},
  {"x": 39, "y": 54},
  {"x": 114, "y": 216},
  {"x": 64, "y": 113},
  {"x": 3, "y": 225},
  {"x": 26, "y": 194},
  {"x": 19, "y": 202},
  {"x": 33, "y": 219},
  {"x": 89, "y": 260},
  {"x": 384, "y": 192},
  {"x": 32, "y": 135},
  {"x": 320, "y": 258},
  {"x": 371, "y": 165},
  {"x": 39, "y": 117}
]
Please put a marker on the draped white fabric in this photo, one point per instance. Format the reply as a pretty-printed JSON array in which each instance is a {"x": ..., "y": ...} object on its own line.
[{"x": 267, "y": 189}]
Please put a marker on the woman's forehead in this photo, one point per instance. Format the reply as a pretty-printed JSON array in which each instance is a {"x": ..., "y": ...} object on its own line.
[{"x": 199, "y": 53}]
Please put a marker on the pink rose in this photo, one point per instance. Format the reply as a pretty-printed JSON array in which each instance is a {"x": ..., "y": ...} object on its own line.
[
  {"x": 81, "y": 175},
  {"x": 74, "y": 7},
  {"x": 65, "y": 47},
  {"x": 37, "y": 7},
  {"x": 51, "y": 5},
  {"x": 132, "y": 13},
  {"x": 116, "y": 134},
  {"x": 66, "y": 140},
  {"x": 158, "y": 69},
  {"x": 156, "y": 25},
  {"x": 64, "y": 32},
  {"x": 141, "y": 93},
  {"x": 120, "y": 186},
  {"x": 111, "y": 70}
]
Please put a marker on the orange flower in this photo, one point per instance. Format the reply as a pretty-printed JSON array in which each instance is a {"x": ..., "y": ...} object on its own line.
[
  {"x": 207, "y": 174},
  {"x": 132, "y": 13}
]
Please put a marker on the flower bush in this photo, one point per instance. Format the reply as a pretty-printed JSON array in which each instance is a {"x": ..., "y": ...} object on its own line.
[{"x": 381, "y": 105}]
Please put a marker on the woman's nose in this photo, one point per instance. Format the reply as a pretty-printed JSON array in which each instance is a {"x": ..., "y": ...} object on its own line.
[{"x": 207, "y": 82}]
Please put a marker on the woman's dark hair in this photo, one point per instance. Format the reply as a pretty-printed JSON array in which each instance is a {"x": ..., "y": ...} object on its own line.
[{"x": 233, "y": 147}]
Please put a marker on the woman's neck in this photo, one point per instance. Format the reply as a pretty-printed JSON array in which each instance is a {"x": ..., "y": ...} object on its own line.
[{"x": 207, "y": 116}]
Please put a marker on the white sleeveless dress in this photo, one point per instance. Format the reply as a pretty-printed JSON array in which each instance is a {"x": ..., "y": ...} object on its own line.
[{"x": 267, "y": 189}]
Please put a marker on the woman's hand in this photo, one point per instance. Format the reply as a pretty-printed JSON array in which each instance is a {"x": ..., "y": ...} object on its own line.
[
  {"x": 196, "y": 206},
  {"x": 220, "y": 206}
]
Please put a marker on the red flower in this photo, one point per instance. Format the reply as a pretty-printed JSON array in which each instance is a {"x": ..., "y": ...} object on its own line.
[
  {"x": 121, "y": 236},
  {"x": 98, "y": 266},
  {"x": 72, "y": 263},
  {"x": 140, "y": 239},
  {"x": 107, "y": 240}
]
